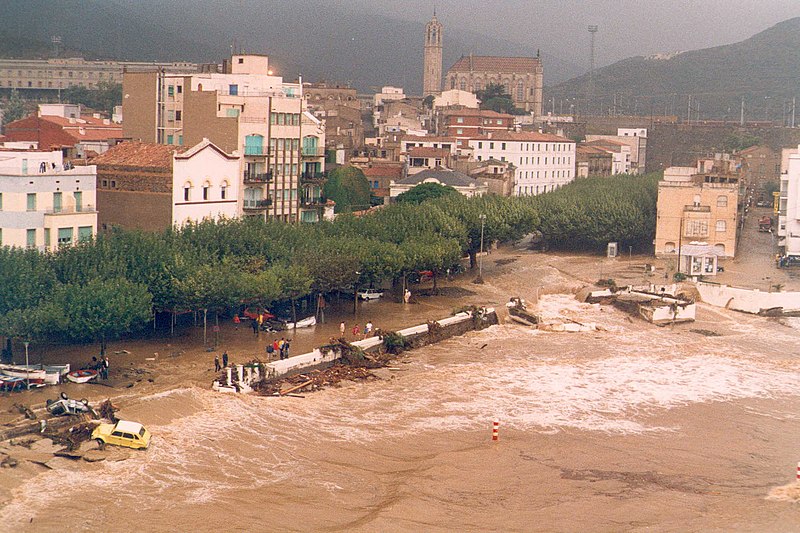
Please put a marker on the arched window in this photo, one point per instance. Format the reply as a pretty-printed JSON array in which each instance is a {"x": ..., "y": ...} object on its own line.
[
  {"x": 452, "y": 83},
  {"x": 206, "y": 189},
  {"x": 719, "y": 248},
  {"x": 463, "y": 84},
  {"x": 223, "y": 190},
  {"x": 669, "y": 247},
  {"x": 722, "y": 226},
  {"x": 254, "y": 145},
  {"x": 507, "y": 86},
  {"x": 520, "y": 90},
  {"x": 187, "y": 191},
  {"x": 478, "y": 85},
  {"x": 722, "y": 201}
]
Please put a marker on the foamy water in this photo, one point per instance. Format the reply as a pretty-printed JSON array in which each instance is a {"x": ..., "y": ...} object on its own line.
[{"x": 210, "y": 448}]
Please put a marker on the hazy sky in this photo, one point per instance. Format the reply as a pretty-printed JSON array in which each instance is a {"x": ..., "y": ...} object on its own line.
[{"x": 627, "y": 27}]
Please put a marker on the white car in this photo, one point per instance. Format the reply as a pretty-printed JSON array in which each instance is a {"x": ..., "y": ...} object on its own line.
[{"x": 370, "y": 294}]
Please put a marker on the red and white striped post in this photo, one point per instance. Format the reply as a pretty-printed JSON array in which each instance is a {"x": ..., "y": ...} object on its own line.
[
  {"x": 798, "y": 472},
  {"x": 496, "y": 429}
]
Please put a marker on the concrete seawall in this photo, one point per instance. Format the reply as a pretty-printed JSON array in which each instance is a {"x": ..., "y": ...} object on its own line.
[{"x": 416, "y": 335}]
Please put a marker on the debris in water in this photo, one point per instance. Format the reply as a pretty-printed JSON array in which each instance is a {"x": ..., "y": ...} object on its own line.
[
  {"x": 706, "y": 332},
  {"x": 786, "y": 493}
]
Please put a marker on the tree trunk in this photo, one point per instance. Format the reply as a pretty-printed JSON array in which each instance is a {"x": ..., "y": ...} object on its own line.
[
  {"x": 294, "y": 314},
  {"x": 205, "y": 326},
  {"x": 355, "y": 300},
  {"x": 435, "y": 288},
  {"x": 473, "y": 261}
]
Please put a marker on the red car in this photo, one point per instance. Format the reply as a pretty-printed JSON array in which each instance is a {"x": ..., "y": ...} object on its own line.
[{"x": 252, "y": 313}]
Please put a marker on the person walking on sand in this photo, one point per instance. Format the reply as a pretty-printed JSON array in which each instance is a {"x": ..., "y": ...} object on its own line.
[
  {"x": 281, "y": 344},
  {"x": 342, "y": 329},
  {"x": 104, "y": 368},
  {"x": 356, "y": 330},
  {"x": 224, "y": 359},
  {"x": 254, "y": 325},
  {"x": 276, "y": 347},
  {"x": 286, "y": 349},
  {"x": 217, "y": 368},
  {"x": 368, "y": 329}
]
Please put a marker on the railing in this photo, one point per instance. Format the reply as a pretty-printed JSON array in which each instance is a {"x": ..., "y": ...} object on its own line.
[
  {"x": 314, "y": 200},
  {"x": 256, "y": 150},
  {"x": 697, "y": 208},
  {"x": 317, "y": 151},
  {"x": 257, "y": 177},
  {"x": 70, "y": 209},
  {"x": 313, "y": 176},
  {"x": 257, "y": 204}
]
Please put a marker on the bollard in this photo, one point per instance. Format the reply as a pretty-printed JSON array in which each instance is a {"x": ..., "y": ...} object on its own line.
[
  {"x": 496, "y": 429},
  {"x": 240, "y": 373}
]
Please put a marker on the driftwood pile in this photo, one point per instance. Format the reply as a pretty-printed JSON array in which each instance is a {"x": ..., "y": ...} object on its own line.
[{"x": 314, "y": 380}]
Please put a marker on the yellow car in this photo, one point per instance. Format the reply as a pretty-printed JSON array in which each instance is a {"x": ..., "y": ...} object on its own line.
[{"x": 123, "y": 433}]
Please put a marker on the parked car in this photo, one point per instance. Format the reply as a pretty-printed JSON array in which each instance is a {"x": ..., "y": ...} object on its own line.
[
  {"x": 123, "y": 433},
  {"x": 370, "y": 294}
]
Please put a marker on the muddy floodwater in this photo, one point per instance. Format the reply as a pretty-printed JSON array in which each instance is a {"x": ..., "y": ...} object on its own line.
[{"x": 630, "y": 428}]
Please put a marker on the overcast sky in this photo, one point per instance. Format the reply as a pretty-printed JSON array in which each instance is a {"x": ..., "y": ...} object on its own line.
[{"x": 627, "y": 27}]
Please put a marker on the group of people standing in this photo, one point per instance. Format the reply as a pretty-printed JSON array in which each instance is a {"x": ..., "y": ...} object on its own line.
[
  {"x": 217, "y": 366},
  {"x": 101, "y": 366},
  {"x": 368, "y": 330},
  {"x": 280, "y": 346}
]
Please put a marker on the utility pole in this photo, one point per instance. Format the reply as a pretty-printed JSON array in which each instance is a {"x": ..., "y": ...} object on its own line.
[
  {"x": 741, "y": 118},
  {"x": 794, "y": 101},
  {"x": 689, "y": 111}
]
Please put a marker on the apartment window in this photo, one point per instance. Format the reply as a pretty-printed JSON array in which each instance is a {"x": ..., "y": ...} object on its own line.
[
  {"x": 460, "y": 120},
  {"x": 722, "y": 201},
  {"x": 223, "y": 190},
  {"x": 31, "y": 201},
  {"x": 178, "y": 115},
  {"x": 459, "y": 131},
  {"x": 84, "y": 233},
  {"x": 253, "y": 145},
  {"x": 503, "y": 146},
  {"x": 480, "y": 145},
  {"x": 171, "y": 90},
  {"x": 180, "y": 140},
  {"x": 281, "y": 119},
  {"x": 170, "y": 139},
  {"x": 697, "y": 228},
  {"x": 233, "y": 90},
  {"x": 205, "y": 191},
  {"x": 30, "y": 238},
  {"x": 64, "y": 236},
  {"x": 179, "y": 89},
  {"x": 47, "y": 238},
  {"x": 24, "y": 166},
  {"x": 57, "y": 202},
  {"x": 1, "y": 201},
  {"x": 491, "y": 146},
  {"x": 187, "y": 192},
  {"x": 722, "y": 226},
  {"x": 113, "y": 184},
  {"x": 171, "y": 116}
]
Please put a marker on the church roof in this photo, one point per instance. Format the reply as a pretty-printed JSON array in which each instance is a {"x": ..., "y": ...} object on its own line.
[{"x": 496, "y": 64}]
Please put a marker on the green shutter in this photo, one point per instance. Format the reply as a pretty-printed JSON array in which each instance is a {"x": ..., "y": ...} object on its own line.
[
  {"x": 84, "y": 233},
  {"x": 30, "y": 238}
]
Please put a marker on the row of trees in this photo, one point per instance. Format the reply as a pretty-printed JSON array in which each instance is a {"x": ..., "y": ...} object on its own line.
[{"x": 107, "y": 287}]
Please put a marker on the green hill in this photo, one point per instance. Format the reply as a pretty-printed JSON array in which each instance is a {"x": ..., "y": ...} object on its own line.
[{"x": 764, "y": 70}]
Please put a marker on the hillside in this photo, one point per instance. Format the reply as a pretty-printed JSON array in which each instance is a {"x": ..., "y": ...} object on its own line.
[
  {"x": 764, "y": 70},
  {"x": 365, "y": 48}
]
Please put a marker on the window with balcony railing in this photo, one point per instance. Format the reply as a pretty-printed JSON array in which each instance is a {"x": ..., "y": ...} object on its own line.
[{"x": 254, "y": 145}]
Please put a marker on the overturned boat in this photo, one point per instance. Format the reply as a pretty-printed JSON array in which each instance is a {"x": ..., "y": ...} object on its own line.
[{"x": 304, "y": 323}]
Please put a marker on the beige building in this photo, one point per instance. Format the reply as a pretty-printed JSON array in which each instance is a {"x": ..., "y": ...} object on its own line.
[
  {"x": 246, "y": 109},
  {"x": 522, "y": 78},
  {"x": 44, "y": 203},
  {"x": 340, "y": 109},
  {"x": 697, "y": 205},
  {"x": 62, "y": 73},
  {"x": 432, "y": 60}
]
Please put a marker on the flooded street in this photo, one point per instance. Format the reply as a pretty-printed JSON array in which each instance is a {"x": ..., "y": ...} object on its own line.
[{"x": 631, "y": 428}]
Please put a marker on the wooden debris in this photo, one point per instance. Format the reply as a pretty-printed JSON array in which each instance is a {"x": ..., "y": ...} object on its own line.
[
  {"x": 314, "y": 380},
  {"x": 297, "y": 387}
]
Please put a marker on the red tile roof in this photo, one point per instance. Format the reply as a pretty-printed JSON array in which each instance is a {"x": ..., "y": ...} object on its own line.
[
  {"x": 496, "y": 64},
  {"x": 424, "y": 151},
  {"x": 486, "y": 113},
  {"x": 383, "y": 171},
  {"x": 427, "y": 138},
  {"x": 137, "y": 154}
]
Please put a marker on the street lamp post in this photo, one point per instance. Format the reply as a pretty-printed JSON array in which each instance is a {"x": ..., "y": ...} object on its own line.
[
  {"x": 480, "y": 259},
  {"x": 27, "y": 368}
]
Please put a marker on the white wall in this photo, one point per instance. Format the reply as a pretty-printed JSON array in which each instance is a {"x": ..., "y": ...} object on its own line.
[
  {"x": 205, "y": 168},
  {"x": 747, "y": 300}
]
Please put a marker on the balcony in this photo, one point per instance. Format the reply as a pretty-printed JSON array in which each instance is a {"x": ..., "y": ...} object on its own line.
[
  {"x": 315, "y": 151},
  {"x": 256, "y": 151},
  {"x": 70, "y": 210},
  {"x": 257, "y": 205},
  {"x": 257, "y": 177},
  {"x": 313, "y": 176},
  {"x": 697, "y": 208},
  {"x": 313, "y": 201}
]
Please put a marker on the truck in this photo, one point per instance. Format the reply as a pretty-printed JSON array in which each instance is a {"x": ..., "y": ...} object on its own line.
[{"x": 765, "y": 223}]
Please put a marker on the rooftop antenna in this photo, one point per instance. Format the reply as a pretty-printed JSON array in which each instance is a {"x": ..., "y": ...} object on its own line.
[
  {"x": 592, "y": 31},
  {"x": 56, "y": 40}
]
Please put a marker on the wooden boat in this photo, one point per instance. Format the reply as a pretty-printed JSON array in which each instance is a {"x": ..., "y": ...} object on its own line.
[
  {"x": 22, "y": 371},
  {"x": 82, "y": 376},
  {"x": 8, "y": 383},
  {"x": 305, "y": 323},
  {"x": 518, "y": 312},
  {"x": 53, "y": 373}
]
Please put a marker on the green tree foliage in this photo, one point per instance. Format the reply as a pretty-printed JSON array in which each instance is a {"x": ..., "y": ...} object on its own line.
[
  {"x": 495, "y": 98},
  {"x": 103, "y": 98},
  {"x": 425, "y": 191},
  {"x": 349, "y": 188},
  {"x": 14, "y": 108}
]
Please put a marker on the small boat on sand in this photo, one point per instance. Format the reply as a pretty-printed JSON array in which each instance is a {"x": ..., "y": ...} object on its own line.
[
  {"x": 518, "y": 312},
  {"x": 82, "y": 376},
  {"x": 21, "y": 371}
]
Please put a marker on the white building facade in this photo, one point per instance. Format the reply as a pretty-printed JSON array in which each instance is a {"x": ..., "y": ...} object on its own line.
[
  {"x": 43, "y": 204},
  {"x": 205, "y": 184},
  {"x": 789, "y": 207},
  {"x": 543, "y": 162}
]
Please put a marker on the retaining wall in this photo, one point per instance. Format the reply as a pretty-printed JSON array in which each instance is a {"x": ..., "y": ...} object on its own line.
[{"x": 748, "y": 300}]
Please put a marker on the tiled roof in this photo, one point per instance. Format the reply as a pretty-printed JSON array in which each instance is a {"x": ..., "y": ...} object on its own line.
[
  {"x": 589, "y": 149},
  {"x": 86, "y": 128},
  {"x": 427, "y": 138},
  {"x": 137, "y": 154},
  {"x": 445, "y": 177},
  {"x": 424, "y": 151},
  {"x": 486, "y": 113},
  {"x": 495, "y": 64},
  {"x": 383, "y": 171},
  {"x": 524, "y": 136}
]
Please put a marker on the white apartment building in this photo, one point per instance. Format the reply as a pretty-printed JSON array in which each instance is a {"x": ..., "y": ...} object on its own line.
[
  {"x": 543, "y": 162},
  {"x": 636, "y": 140},
  {"x": 43, "y": 204},
  {"x": 789, "y": 206}
]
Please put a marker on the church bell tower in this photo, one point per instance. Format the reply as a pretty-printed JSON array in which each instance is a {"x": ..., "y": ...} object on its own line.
[{"x": 432, "y": 63}]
